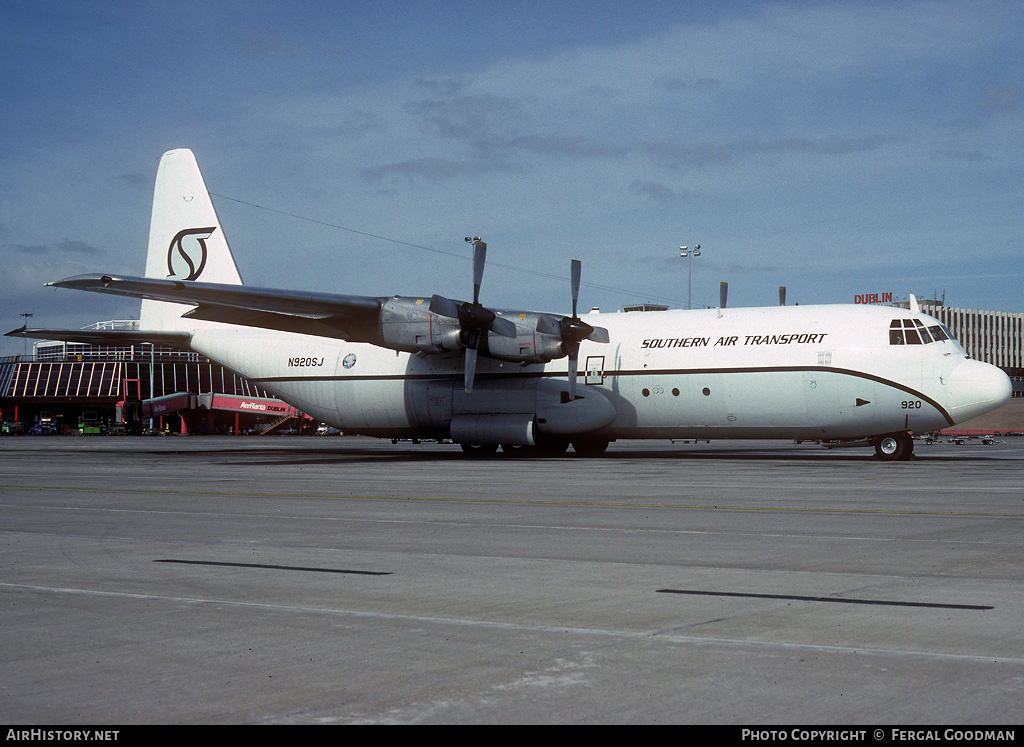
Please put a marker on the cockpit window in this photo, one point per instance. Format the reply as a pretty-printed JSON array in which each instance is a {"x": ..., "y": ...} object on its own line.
[
  {"x": 949, "y": 336},
  {"x": 914, "y": 332},
  {"x": 896, "y": 332}
]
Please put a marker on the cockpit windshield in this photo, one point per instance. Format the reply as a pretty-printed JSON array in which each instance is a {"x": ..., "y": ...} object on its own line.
[{"x": 914, "y": 332}]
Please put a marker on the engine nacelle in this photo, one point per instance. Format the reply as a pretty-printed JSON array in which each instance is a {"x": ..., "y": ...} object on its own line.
[
  {"x": 408, "y": 324},
  {"x": 528, "y": 346}
]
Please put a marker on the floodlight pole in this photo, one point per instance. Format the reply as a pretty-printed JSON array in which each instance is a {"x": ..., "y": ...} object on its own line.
[{"x": 689, "y": 254}]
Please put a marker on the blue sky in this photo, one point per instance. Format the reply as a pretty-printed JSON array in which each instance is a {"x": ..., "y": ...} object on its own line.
[{"x": 834, "y": 148}]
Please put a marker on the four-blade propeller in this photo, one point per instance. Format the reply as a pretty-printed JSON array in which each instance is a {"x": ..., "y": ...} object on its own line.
[
  {"x": 475, "y": 319},
  {"x": 572, "y": 330}
]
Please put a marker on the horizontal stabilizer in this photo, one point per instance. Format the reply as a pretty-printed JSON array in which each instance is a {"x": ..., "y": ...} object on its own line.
[{"x": 178, "y": 340}]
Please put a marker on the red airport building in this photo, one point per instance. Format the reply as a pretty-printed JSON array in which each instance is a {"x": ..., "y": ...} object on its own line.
[{"x": 69, "y": 388}]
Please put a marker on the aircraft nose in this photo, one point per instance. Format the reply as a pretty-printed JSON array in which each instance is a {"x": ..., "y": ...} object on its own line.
[{"x": 977, "y": 388}]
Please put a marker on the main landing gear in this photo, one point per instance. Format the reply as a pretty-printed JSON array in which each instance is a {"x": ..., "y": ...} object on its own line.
[
  {"x": 894, "y": 447},
  {"x": 548, "y": 447},
  {"x": 480, "y": 450}
]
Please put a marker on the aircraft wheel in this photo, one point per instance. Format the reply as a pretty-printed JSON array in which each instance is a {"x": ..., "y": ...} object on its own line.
[
  {"x": 517, "y": 450},
  {"x": 590, "y": 447},
  {"x": 479, "y": 450},
  {"x": 894, "y": 447}
]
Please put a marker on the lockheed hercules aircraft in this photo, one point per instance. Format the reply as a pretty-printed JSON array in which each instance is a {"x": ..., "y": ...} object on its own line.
[{"x": 431, "y": 367}]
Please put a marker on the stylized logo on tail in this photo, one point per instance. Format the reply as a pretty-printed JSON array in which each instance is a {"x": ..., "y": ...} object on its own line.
[{"x": 186, "y": 255}]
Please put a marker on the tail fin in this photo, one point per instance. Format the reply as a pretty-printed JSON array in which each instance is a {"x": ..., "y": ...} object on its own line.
[{"x": 186, "y": 241}]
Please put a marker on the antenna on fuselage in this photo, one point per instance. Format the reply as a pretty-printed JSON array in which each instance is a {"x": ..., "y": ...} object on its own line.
[{"x": 782, "y": 295}]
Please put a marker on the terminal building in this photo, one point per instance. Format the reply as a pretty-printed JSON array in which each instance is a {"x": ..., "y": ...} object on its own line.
[{"x": 72, "y": 387}]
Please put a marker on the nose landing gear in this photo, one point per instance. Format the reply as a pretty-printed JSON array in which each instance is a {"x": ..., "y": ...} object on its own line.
[{"x": 894, "y": 447}]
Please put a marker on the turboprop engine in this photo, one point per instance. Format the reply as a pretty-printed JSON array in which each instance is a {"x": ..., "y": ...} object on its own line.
[
  {"x": 416, "y": 325},
  {"x": 409, "y": 325}
]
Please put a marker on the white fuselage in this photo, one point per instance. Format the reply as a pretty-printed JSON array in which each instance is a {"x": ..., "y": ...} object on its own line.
[{"x": 807, "y": 372}]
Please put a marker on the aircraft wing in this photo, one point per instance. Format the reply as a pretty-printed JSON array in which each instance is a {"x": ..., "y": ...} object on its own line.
[
  {"x": 405, "y": 324},
  {"x": 323, "y": 314}
]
